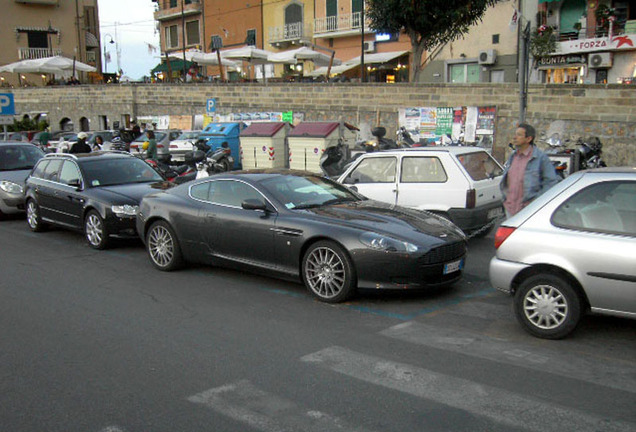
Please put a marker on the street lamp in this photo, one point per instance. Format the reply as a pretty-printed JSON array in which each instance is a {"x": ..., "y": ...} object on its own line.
[
  {"x": 112, "y": 41},
  {"x": 183, "y": 33}
]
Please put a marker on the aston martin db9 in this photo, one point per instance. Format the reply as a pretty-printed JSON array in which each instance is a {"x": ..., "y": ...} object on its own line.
[{"x": 301, "y": 226}]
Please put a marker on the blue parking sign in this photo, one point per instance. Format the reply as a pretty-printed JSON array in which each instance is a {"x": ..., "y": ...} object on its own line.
[
  {"x": 7, "y": 107},
  {"x": 211, "y": 106}
]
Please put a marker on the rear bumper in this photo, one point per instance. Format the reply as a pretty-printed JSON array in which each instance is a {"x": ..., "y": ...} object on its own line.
[
  {"x": 502, "y": 273},
  {"x": 475, "y": 218}
]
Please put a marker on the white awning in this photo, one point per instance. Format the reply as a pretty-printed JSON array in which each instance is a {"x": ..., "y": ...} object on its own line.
[{"x": 377, "y": 58}]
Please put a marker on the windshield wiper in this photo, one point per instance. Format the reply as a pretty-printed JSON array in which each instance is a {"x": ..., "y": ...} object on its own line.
[{"x": 338, "y": 201}]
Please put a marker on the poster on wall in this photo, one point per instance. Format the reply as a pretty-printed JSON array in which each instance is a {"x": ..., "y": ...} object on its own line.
[
  {"x": 443, "y": 125},
  {"x": 255, "y": 117}
]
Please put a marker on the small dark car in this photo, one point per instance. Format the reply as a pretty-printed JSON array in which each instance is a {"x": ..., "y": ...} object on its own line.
[
  {"x": 301, "y": 226},
  {"x": 16, "y": 162},
  {"x": 97, "y": 193}
]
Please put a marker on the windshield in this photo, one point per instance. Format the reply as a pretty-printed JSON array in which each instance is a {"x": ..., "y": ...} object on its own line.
[
  {"x": 15, "y": 158},
  {"x": 109, "y": 172},
  {"x": 143, "y": 137},
  {"x": 189, "y": 135},
  {"x": 297, "y": 192}
]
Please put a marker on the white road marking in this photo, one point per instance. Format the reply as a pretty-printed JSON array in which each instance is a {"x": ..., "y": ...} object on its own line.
[
  {"x": 589, "y": 368},
  {"x": 499, "y": 405},
  {"x": 244, "y": 402}
]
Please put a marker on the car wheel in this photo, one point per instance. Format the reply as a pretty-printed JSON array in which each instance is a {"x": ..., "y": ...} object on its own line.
[
  {"x": 95, "y": 231},
  {"x": 163, "y": 247},
  {"x": 328, "y": 272},
  {"x": 547, "y": 306},
  {"x": 33, "y": 216}
]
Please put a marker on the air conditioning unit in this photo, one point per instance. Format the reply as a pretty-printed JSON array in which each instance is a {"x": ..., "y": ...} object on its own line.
[
  {"x": 599, "y": 60},
  {"x": 369, "y": 46},
  {"x": 487, "y": 57}
]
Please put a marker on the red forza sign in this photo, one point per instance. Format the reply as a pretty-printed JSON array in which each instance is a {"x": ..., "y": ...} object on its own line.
[{"x": 621, "y": 42}]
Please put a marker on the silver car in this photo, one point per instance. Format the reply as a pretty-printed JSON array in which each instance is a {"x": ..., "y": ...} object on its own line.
[
  {"x": 571, "y": 250},
  {"x": 16, "y": 162}
]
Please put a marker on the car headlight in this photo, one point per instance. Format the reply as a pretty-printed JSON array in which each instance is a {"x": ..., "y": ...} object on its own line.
[
  {"x": 125, "y": 210},
  {"x": 11, "y": 187},
  {"x": 388, "y": 244}
]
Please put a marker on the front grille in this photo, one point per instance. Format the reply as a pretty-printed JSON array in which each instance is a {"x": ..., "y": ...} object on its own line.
[{"x": 444, "y": 253}]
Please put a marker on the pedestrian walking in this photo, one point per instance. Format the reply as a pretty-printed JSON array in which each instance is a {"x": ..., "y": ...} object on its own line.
[
  {"x": 151, "y": 150},
  {"x": 528, "y": 172},
  {"x": 80, "y": 146}
]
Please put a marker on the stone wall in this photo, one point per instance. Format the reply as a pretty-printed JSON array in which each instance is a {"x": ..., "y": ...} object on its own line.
[{"x": 606, "y": 111}]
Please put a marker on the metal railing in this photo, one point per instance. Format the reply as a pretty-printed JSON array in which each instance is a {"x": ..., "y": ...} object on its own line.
[
  {"x": 37, "y": 53},
  {"x": 290, "y": 32},
  {"x": 339, "y": 23}
]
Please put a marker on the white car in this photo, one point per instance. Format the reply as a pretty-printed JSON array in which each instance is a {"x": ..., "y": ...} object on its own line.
[
  {"x": 183, "y": 144},
  {"x": 459, "y": 183}
]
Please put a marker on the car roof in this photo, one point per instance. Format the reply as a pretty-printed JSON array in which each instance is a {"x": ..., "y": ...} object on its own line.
[
  {"x": 262, "y": 174},
  {"x": 610, "y": 170},
  {"x": 104, "y": 154},
  {"x": 7, "y": 143},
  {"x": 443, "y": 149}
]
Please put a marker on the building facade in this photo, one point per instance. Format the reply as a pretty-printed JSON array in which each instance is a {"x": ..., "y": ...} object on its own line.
[{"x": 32, "y": 29}]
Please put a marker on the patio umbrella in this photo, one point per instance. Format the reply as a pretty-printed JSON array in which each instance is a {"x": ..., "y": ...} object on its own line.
[
  {"x": 248, "y": 53},
  {"x": 54, "y": 65},
  {"x": 211, "y": 59},
  {"x": 301, "y": 54}
]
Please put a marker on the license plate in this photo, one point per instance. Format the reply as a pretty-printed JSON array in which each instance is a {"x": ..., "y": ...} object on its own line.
[
  {"x": 495, "y": 213},
  {"x": 454, "y": 266}
]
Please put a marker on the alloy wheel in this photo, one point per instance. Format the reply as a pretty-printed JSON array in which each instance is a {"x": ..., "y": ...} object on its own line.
[
  {"x": 325, "y": 272},
  {"x": 161, "y": 246},
  {"x": 545, "y": 307},
  {"x": 94, "y": 230}
]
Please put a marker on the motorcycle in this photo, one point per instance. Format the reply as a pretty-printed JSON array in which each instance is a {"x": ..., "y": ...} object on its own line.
[
  {"x": 216, "y": 161},
  {"x": 590, "y": 151},
  {"x": 175, "y": 174}
]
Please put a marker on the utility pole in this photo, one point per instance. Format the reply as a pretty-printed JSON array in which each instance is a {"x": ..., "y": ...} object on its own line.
[
  {"x": 363, "y": 72},
  {"x": 523, "y": 72}
]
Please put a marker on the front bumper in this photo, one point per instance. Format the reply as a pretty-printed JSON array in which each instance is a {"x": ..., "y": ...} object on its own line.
[
  {"x": 475, "y": 218},
  {"x": 11, "y": 203},
  {"x": 502, "y": 273},
  {"x": 389, "y": 270},
  {"x": 121, "y": 227}
]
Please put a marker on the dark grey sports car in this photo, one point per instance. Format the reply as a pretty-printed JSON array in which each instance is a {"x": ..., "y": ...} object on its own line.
[{"x": 300, "y": 225}]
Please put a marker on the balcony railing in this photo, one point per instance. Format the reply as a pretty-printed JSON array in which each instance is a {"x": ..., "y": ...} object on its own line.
[
  {"x": 339, "y": 23},
  {"x": 290, "y": 32},
  {"x": 37, "y": 53}
]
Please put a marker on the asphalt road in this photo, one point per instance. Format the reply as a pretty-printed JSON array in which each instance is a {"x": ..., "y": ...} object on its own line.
[{"x": 102, "y": 342}]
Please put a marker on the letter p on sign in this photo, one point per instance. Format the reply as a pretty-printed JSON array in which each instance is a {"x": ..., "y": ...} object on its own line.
[{"x": 6, "y": 104}]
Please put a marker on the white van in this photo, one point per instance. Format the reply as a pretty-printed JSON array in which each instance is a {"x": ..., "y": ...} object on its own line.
[{"x": 459, "y": 183}]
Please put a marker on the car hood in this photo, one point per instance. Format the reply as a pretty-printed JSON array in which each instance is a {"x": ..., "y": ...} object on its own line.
[
  {"x": 408, "y": 224},
  {"x": 131, "y": 193},
  {"x": 18, "y": 176}
]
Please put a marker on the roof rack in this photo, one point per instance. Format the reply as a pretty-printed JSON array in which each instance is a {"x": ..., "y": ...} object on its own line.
[{"x": 68, "y": 155}]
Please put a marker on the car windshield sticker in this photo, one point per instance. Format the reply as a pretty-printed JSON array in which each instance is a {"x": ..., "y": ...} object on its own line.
[
  {"x": 290, "y": 205},
  {"x": 95, "y": 183}
]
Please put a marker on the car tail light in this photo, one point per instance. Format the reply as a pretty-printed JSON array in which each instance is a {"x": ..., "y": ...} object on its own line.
[
  {"x": 159, "y": 145},
  {"x": 174, "y": 146},
  {"x": 502, "y": 234},
  {"x": 471, "y": 198}
]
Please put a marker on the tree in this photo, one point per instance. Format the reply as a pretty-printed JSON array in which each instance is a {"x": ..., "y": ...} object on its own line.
[{"x": 428, "y": 23}]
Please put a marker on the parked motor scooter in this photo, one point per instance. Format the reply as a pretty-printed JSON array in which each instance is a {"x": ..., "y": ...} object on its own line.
[{"x": 220, "y": 160}]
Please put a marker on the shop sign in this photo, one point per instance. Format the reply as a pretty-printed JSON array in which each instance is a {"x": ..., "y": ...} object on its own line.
[
  {"x": 562, "y": 60},
  {"x": 620, "y": 42}
]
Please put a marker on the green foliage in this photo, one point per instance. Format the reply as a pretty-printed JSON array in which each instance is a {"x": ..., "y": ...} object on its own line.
[
  {"x": 430, "y": 22},
  {"x": 27, "y": 124},
  {"x": 427, "y": 23},
  {"x": 542, "y": 42}
]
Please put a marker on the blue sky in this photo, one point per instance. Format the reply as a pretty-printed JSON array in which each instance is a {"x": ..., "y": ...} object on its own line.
[{"x": 131, "y": 24}]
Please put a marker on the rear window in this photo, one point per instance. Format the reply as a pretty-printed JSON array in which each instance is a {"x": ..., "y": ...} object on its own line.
[{"x": 480, "y": 165}]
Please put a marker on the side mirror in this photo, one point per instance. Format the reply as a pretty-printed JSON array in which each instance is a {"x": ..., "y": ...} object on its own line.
[
  {"x": 254, "y": 204},
  {"x": 75, "y": 183}
]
